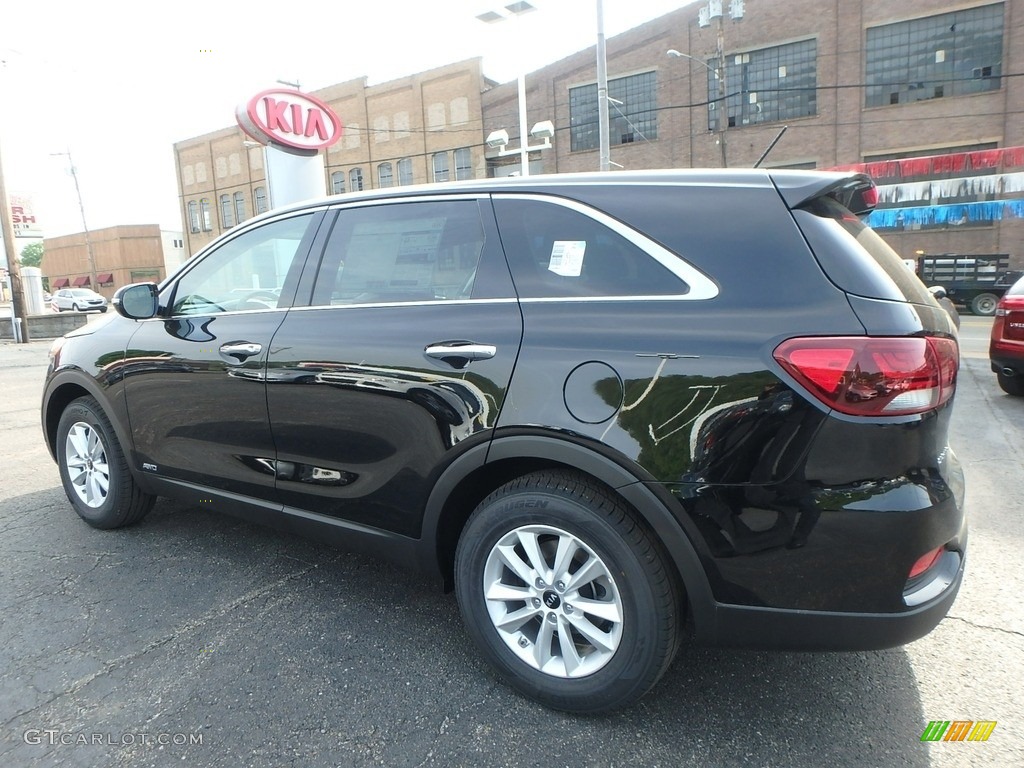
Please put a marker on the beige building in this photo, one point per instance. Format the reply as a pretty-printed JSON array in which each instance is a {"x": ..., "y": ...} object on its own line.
[
  {"x": 420, "y": 128},
  {"x": 124, "y": 255}
]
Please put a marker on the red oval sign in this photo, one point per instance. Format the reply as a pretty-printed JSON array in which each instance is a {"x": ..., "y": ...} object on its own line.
[{"x": 290, "y": 118}]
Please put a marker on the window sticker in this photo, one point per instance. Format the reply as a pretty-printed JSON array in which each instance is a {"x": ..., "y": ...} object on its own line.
[{"x": 567, "y": 257}]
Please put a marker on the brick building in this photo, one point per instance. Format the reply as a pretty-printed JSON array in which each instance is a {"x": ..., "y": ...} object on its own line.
[
  {"x": 124, "y": 255},
  {"x": 865, "y": 85}
]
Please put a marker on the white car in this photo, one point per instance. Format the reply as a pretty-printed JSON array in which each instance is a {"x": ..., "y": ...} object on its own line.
[{"x": 78, "y": 300}]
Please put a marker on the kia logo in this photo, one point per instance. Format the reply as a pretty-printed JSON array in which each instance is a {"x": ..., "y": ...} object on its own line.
[{"x": 297, "y": 122}]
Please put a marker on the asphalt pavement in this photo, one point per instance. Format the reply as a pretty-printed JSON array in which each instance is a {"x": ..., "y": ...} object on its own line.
[{"x": 196, "y": 639}]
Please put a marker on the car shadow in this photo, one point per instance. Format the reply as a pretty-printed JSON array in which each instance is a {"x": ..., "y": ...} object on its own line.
[{"x": 270, "y": 645}]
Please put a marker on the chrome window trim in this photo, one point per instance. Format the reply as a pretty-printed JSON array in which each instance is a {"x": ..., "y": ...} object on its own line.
[
  {"x": 437, "y": 302},
  {"x": 701, "y": 286}
]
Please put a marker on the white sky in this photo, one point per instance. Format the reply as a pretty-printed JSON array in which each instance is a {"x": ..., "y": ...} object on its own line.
[{"x": 119, "y": 81}]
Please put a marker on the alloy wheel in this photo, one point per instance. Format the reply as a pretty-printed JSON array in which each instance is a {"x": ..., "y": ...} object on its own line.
[
  {"x": 553, "y": 601},
  {"x": 86, "y": 459}
]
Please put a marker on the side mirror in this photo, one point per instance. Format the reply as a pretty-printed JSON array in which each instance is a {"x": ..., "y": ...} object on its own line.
[{"x": 139, "y": 301}]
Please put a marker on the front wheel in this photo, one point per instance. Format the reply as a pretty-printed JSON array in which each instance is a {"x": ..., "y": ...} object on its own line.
[
  {"x": 93, "y": 468},
  {"x": 75, "y": 308},
  {"x": 566, "y": 593}
]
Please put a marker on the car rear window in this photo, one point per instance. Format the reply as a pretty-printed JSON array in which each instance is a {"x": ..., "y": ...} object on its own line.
[{"x": 855, "y": 257}]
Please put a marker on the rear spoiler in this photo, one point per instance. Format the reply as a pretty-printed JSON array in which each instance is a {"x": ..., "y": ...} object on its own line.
[{"x": 856, "y": 191}]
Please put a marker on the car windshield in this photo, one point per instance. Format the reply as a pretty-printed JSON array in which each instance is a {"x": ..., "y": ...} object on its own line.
[{"x": 83, "y": 293}]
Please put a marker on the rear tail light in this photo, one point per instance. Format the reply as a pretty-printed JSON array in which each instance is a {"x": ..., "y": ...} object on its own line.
[{"x": 873, "y": 376}]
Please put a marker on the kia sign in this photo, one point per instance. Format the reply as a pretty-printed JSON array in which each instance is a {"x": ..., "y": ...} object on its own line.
[{"x": 295, "y": 122}]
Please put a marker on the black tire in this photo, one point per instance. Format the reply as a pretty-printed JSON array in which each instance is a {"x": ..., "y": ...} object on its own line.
[
  {"x": 123, "y": 502},
  {"x": 103, "y": 310},
  {"x": 984, "y": 304},
  {"x": 639, "y": 586},
  {"x": 1011, "y": 385},
  {"x": 74, "y": 308}
]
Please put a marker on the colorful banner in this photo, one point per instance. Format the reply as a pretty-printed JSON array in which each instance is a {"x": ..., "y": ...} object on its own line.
[{"x": 954, "y": 215}]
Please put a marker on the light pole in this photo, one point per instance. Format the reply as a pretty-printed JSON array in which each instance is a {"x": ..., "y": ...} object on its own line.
[
  {"x": 514, "y": 10},
  {"x": 719, "y": 73},
  {"x": 81, "y": 208},
  {"x": 605, "y": 160}
]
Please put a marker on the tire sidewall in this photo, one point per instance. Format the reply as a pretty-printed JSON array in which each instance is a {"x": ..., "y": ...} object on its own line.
[
  {"x": 107, "y": 514},
  {"x": 626, "y": 675}
]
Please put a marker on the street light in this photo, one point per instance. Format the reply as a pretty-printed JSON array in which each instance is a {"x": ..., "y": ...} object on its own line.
[
  {"x": 499, "y": 139},
  {"x": 81, "y": 208}
]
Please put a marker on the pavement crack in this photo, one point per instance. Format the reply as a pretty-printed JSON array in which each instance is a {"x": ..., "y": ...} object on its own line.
[{"x": 976, "y": 625}]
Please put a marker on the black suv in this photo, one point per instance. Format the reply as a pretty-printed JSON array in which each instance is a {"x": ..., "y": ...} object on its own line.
[{"x": 607, "y": 410}]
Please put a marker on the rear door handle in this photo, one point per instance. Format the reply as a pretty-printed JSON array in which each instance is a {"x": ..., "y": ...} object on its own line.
[
  {"x": 458, "y": 353},
  {"x": 240, "y": 350}
]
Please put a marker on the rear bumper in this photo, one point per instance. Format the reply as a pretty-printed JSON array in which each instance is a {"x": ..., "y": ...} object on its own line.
[
  {"x": 786, "y": 629},
  {"x": 1002, "y": 362}
]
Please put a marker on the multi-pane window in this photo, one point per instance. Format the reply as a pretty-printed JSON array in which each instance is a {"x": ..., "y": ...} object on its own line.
[
  {"x": 227, "y": 220},
  {"x": 441, "y": 172},
  {"x": 239, "y": 207},
  {"x": 260, "y": 198},
  {"x": 766, "y": 85},
  {"x": 946, "y": 55},
  {"x": 355, "y": 179},
  {"x": 405, "y": 172},
  {"x": 385, "y": 176},
  {"x": 632, "y": 116},
  {"x": 337, "y": 182},
  {"x": 204, "y": 211},
  {"x": 463, "y": 164},
  {"x": 193, "y": 216}
]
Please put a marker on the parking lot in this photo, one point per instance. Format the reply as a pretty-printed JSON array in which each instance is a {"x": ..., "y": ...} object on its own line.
[{"x": 196, "y": 639}]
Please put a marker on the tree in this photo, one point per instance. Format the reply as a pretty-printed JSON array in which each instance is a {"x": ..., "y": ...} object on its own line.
[{"x": 32, "y": 255}]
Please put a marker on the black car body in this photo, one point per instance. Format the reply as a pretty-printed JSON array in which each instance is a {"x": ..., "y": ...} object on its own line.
[{"x": 718, "y": 391}]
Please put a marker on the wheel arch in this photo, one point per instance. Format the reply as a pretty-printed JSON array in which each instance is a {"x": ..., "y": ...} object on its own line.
[
  {"x": 478, "y": 472},
  {"x": 63, "y": 390}
]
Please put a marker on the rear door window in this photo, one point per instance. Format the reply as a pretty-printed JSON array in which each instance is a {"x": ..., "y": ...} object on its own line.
[{"x": 402, "y": 252}]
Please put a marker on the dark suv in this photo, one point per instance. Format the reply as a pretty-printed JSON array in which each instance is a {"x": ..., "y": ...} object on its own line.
[{"x": 607, "y": 410}]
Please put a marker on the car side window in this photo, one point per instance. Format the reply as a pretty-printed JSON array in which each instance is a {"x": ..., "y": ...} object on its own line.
[
  {"x": 246, "y": 273},
  {"x": 401, "y": 252},
  {"x": 557, "y": 252}
]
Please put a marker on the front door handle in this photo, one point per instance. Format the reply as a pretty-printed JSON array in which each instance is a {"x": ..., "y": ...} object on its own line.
[
  {"x": 241, "y": 350},
  {"x": 458, "y": 353}
]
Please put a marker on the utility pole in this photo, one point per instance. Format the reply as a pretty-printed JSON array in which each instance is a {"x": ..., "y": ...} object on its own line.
[
  {"x": 85, "y": 227},
  {"x": 17, "y": 293},
  {"x": 723, "y": 113}
]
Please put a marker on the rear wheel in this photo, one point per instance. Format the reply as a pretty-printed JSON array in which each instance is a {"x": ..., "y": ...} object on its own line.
[
  {"x": 1011, "y": 385},
  {"x": 984, "y": 304},
  {"x": 93, "y": 468},
  {"x": 566, "y": 593}
]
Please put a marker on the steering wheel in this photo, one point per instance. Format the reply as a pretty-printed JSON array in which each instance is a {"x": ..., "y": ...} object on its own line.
[{"x": 261, "y": 299}]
